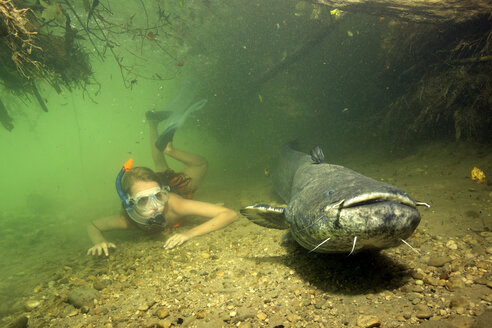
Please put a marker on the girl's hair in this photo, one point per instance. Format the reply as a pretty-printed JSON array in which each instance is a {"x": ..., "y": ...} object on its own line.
[{"x": 135, "y": 174}]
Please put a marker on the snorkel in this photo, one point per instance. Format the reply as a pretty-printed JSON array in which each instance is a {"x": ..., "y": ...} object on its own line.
[{"x": 156, "y": 218}]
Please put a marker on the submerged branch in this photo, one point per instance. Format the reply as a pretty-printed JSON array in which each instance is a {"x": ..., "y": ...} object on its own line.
[
  {"x": 5, "y": 118},
  {"x": 430, "y": 11},
  {"x": 39, "y": 98},
  {"x": 84, "y": 27}
]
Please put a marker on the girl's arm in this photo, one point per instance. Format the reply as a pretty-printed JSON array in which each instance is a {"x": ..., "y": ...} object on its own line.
[
  {"x": 220, "y": 217},
  {"x": 95, "y": 228}
]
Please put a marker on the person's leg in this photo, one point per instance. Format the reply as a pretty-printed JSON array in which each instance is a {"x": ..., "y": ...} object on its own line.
[
  {"x": 158, "y": 156},
  {"x": 196, "y": 165}
]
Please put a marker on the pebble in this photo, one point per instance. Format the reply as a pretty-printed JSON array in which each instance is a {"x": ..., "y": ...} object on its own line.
[
  {"x": 21, "y": 322},
  {"x": 489, "y": 250},
  {"x": 100, "y": 284},
  {"x": 155, "y": 324},
  {"x": 487, "y": 298},
  {"x": 438, "y": 261},
  {"x": 451, "y": 244},
  {"x": 459, "y": 302},
  {"x": 162, "y": 313},
  {"x": 454, "y": 283},
  {"x": 368, "y": 321},
  {"x": 418, "y": 274},
  {"x": 143, "y": 307},
  {"x": 244, "y": 313},
  {"x": 293, "y": 318},
  {"x": 73, "y": 313},
  {"x": 82, "y": 296},
  {"x": 31, "y": 305},
  {"x": 422, "y": 311},
  {"x": 434, "y": 281},
  {"x": 261, "y": 316}
]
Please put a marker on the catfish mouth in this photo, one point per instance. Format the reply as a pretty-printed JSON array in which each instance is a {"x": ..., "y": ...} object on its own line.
[{"x": 378, "y": 197}]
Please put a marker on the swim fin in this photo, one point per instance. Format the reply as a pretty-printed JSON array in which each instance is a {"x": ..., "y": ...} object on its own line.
[
  {"x": 166, "y": 137},
  {"x": 174, "y": 122},
  {"x": 158, "y": 116}
]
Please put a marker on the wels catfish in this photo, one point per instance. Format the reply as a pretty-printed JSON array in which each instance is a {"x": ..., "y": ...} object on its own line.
[{"x": 332, "y": 209}]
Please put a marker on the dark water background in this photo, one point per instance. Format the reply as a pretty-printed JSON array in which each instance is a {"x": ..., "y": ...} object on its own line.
[{"x": 57, "y": 170}]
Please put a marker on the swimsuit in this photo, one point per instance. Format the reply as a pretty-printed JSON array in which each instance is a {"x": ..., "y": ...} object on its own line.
[{"x": 178, "y": 182}]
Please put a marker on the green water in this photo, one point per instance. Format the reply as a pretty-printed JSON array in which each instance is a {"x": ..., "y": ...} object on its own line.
[{"x": 57, "y": 169}]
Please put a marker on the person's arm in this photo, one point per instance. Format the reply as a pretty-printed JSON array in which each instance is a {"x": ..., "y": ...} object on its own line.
[
  {"x": 220, "y": 217},
  {"x": 95, "y": 228}
]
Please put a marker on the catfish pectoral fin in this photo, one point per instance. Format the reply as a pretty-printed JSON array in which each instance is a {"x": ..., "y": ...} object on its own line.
[{"x": 266, "y": 216}]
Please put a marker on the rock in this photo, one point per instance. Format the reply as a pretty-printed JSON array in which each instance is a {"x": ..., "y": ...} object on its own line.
[
  {"x": 143, "y": 307},
  {"x": 166, "y": 323},
  {"x": 444, "y": 276},
  {"x": 154, "y": 324},
  {"x": 486, "y": 234},
  {"x": 244, "y": 313},
  {"x": 487, "y": 298},
  {"x": 454, "y": 283},
  {"x": 162, "y": 313},
  {"x": 451, "y": 244},
  {"x": 459, "y": 302},
  {"x": 422, "y": 311},
  {"x": 19, "y": 323},
  {"x": 244, "y": 325},
  {"x": 418, "y": 274},
  {"x": 489, "y": 250},
  {"x": 368, "y": 321},
  {"x": 434, "y": 281},
  {"x": 32, "y": 304},
  {"x": 82, "y": 296},
  {"x": 293, "y": 318},
  {"x": 261, "y": 316},
  {"x": 438, "y": 261},
  {"x": 73, "y": 313},
  {"x": 484, "y": 320},
  {"x": 100, "y": 284}
]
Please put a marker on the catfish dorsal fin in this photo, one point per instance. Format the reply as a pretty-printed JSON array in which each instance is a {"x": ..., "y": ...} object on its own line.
[{"x": 317, "y": 155}]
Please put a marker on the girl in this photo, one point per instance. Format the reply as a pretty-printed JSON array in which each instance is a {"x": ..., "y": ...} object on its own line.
[{"x": 154, "y": 201}]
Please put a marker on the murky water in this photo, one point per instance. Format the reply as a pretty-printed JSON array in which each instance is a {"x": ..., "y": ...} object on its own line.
[{"x": 272, "y": 72}]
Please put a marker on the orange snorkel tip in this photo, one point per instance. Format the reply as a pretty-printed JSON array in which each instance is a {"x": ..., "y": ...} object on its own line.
[{"x": 128, "y": 165}]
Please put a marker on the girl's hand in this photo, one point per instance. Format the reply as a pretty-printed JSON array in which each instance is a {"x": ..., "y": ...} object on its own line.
[
  {"x": 176, "y": 240},
  {"x": 101, "y": 247}
]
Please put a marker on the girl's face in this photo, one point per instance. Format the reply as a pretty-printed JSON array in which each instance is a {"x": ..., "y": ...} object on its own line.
[{"x": 148, "y": 198}]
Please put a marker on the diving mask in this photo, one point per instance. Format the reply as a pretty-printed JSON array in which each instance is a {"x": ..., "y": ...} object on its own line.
[
  {"x": 154, "y": 218},
  {"x": 150, "y": 199}
]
